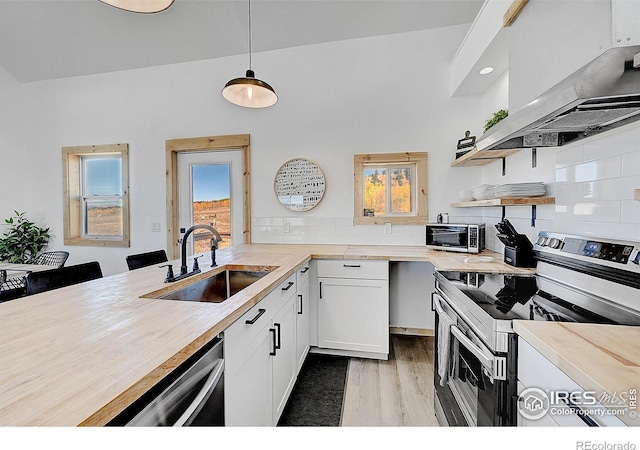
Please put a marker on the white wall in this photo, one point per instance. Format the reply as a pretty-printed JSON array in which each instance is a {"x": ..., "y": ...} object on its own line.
[
  {"x": 381, "y": 94},
  {"x": 12, "y": 154}
]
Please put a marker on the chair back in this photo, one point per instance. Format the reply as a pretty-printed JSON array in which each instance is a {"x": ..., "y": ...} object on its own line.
[
  {"x": 48, "y": 280},
  {"x": 55, "y": 258},
  {"x": 146, "y": 259}
]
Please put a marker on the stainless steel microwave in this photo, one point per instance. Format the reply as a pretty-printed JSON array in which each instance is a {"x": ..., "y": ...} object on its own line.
[{"x": 456, "y": 237}]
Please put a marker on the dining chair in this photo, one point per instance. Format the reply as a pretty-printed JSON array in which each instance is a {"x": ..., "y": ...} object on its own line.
[
  {"x": 10, "y": 290},
  {"x": 48, "y": 280},
  {"x": 146, "y": 259},
  {"x": 55, "y": 258}
]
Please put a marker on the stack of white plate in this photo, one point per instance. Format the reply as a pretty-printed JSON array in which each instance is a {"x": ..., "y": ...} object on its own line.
[
  {"x": 480, "y": 192},
  {"x": 466, "y": 195},
  {"x": 536, "y": 189}
]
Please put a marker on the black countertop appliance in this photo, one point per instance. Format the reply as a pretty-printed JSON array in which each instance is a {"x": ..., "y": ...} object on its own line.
[{"x": 518, "y": 249}]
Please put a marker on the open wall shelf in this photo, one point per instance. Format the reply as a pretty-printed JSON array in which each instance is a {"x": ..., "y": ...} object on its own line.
[
  {"x": 506, "y": 201},
  {"x": 509, "y": 201},
  {"x": 480, "y": 158}
]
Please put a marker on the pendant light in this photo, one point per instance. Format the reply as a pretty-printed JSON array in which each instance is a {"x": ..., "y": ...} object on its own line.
[
  {"x": 249, "y": 91},
  {"x": 140, "y": 6}
]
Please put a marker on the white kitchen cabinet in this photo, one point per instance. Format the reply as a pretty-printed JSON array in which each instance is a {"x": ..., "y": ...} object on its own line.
[
  {"x": 284, "y": 357},
  {"x": 247, "y": 391},
  {"x": 353, "y": 307},
  {"x": 537, "y": 373},
  {"x": 260, "y": 359},
  {"x": 303, "y": 313}
]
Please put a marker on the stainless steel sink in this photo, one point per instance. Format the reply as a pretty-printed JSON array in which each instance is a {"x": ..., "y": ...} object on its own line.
[{"x": 216, "y": 288}]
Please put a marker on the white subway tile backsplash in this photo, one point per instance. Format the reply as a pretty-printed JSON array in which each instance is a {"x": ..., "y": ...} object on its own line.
[
  {"x": 630, "y": 212},
  {"x": 623, "y": 140},
  {"x": 565, "y": 174},
  {"x": 589, "y": 211},
  {"x": 373, "y": 240},
  {"x": 599, "y": 169},
  {"x": 569, "y": 156},
  {"x": 332, "y": 230},
  {"x": 333, "y": 240},
  {"x": 631, "y": 164},
  {"x": 623, "y": 231},
  {"x": 266, "y": 239},
  {"x": 569, "y": 192},
  {"x": 613, "y": 189},
  {"x": 345, "y": 230},
  {"x": 293, "y": 239},
  {"x": 406, "y": 240}
]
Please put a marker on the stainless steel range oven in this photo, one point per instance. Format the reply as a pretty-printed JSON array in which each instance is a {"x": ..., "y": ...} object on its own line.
[{"x": 578, "y": 279}]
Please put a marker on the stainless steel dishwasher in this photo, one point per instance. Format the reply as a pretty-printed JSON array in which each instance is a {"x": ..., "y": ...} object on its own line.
[{"x": 193, "y": 395}]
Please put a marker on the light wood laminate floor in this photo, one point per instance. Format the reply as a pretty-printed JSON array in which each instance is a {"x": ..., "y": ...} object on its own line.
[{"x": 396, "y": 392}]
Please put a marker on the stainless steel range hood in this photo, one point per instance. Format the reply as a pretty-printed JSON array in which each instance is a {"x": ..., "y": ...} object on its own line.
[{"x": 600, "y": 96}]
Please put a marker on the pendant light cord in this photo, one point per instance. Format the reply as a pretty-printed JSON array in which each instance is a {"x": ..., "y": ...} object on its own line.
[{"x": 249, "y": 34}]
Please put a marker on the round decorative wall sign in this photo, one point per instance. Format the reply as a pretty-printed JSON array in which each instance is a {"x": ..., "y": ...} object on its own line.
[{"x": 299, "y": 184}]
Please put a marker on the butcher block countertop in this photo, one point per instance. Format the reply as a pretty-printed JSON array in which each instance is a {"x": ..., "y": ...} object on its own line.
[
  {"x": 602, "y": 358},
  {"x": 81, "y": 354}
]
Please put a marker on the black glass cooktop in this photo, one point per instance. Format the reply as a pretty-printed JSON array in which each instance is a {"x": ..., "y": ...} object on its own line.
[{"x": 508, "y": 297}]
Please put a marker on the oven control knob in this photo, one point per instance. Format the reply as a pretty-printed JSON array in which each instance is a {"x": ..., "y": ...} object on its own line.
[
  {"x": 555, "y": 243},
  {"x": 542, "y": 241}
]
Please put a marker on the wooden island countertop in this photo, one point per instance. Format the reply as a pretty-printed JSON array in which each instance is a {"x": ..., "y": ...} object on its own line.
[
  {"x": 600, "y": 358},
  {"x": 81, "y": 354}
]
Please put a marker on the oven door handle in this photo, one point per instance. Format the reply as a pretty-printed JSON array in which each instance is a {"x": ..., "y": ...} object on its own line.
[{"x": 484, "y": 356}]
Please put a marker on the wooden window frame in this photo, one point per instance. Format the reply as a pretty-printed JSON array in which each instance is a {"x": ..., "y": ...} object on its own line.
[
  {"x": 419, "y": 159},
  {"x": 234, "y": 142},
  {"x": 72, "y": 179}
]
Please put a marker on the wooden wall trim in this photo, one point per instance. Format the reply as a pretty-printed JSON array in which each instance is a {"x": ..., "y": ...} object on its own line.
[
  {"x": 512, "y": 13},
  {"x": 208, "y": 143},
  {"x": 236, "y": 142}
]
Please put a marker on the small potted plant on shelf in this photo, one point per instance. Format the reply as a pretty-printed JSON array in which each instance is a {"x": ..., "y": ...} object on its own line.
[
  {"x": 22, "y": 240},
  {"x": 497, "y": 117}
]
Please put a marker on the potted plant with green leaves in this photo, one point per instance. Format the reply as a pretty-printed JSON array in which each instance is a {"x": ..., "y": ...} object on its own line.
[
  {"x": 23, "y": 240},
  {"x": 497, "y": 117}
]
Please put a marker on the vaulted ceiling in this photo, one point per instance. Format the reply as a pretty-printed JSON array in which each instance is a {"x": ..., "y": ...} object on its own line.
[{"x": 46, "y": 39}]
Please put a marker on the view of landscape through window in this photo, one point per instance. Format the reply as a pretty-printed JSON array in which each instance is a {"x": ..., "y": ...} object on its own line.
[
  {"x": 102, "y": 196},
  {"x": 387, "y": 190},
  {"x": 211, "y": 204}
]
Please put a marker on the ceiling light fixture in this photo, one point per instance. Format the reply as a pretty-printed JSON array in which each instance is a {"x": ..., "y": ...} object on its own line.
[
  {"x": 140, "y": 6},
  {"x": 486, "y": 70},
  {"x": 248, "y": 91}
]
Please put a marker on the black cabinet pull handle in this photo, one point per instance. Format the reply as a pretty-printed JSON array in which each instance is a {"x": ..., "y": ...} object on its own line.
[
  {"x": 252, "y": 321},
  {"x": 351, "y": 265},
  {"x": 305, "y": 270},
  {"x": 291, "y": 283},
  {"x": 433, "y": 306},
  {"x": 321, "y": 289},
  {"x": 580, "y": 413},
  {"x": 279, "y": 344},
  {"x": 273, "y": 353},
  {"x": 300, "y": 298}
]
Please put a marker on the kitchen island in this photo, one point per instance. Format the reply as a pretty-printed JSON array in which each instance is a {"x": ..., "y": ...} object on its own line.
[
  {"x": 604, "y": 359},
  {"x": 81, "y": 354}
]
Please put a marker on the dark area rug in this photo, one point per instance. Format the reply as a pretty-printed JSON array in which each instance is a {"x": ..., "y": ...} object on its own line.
[{"x": 316, "y": 400}]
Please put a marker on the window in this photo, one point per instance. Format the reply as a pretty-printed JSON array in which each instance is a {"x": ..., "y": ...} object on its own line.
[
  {"x": 96, "y": 195},
  {"x": 390, "y": 187}
]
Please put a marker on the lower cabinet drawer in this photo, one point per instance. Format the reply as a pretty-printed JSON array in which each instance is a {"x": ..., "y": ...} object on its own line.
[{"x": 342, "y": 268}]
